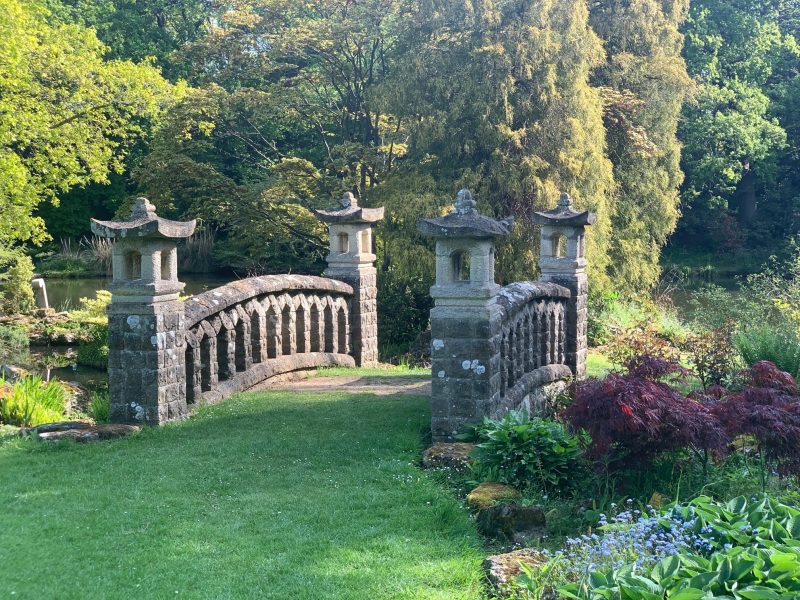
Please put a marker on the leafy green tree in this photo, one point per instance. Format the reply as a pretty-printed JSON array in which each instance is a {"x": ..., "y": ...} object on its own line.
[
  {"x": 67, "y": 116},
  {"x": 736, "y": 51},
  {"x": 283, "y": 120},
  {"x": 141, "y": 29},
  {"x": 644, "y": 84}
]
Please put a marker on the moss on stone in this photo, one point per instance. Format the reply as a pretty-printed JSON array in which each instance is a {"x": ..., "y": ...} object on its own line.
[{"x": 490, "y": 493}]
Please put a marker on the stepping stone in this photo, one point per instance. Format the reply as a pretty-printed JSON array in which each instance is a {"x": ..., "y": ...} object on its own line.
[{"x": 80, "y": 431}]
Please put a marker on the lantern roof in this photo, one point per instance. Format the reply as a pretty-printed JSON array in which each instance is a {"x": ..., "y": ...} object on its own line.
[
  {"x": 465, "y": 222},
  {"x": 350, "y": 212},
  {"x": 564, "y": 214},
  {"x": 143, "y": 223}
]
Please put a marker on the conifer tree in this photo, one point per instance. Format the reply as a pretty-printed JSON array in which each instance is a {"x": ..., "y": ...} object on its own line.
[
  {"x": 498, "y": 95},
  {"x": 644, "y": 84}
]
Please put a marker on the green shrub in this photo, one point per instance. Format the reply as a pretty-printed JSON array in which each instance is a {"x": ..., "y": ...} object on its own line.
[
  {"x": 13, "y": 342},
  {"x": 29, "y": 401},
  {"x": 99, "y": 407},
  {"x": 92, "y": 310},
  {"x": 525, "y": 452},
  {"x": 16, "y": 272},
  {"x": 93, "y": 352},
  {"x": 779, "y": 345}
]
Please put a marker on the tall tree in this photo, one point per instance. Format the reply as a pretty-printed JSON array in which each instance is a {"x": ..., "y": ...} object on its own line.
[
  {"x": 737, "y": 52},
  {"x": 67, "y": 116},
  {"x": 284, "y": 118},
  {"x": 644, "y": 85},
  {"x": 497, "y": 98}
]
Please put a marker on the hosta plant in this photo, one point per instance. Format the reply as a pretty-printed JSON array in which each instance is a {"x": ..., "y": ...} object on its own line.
[{"x": 524, "y": 451}]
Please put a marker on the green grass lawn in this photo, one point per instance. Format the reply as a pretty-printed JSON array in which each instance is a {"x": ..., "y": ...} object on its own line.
[{"x": 268, "y": 495}]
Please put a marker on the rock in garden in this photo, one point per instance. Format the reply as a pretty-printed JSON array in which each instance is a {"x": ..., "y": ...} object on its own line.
[
  {"x": 58, "y": 426},
  {"x": 503, "y": 568},
  {"x": 448, "y": 456},
  {"x": 11, "y": 373},
  {"x": 108, "y": 431},
  {"x": 490, "y": 493},
  {"x": 512, "y": 522},
  {"x": 80, "y": 431}
]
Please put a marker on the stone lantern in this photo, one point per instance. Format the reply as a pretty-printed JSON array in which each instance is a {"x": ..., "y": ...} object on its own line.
[
  {"x": 352, "y": 261},
  {"x": 466, "y": 320},
  {"x": 562, "y": 260},
  {"x": 146, "y": 345}
]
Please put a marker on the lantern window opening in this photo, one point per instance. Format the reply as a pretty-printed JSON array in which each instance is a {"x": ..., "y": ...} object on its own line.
[{"x": 344, "y": 243}]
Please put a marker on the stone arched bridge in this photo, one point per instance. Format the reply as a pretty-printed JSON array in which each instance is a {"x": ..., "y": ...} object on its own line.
[{"x": 493, "y": 348}]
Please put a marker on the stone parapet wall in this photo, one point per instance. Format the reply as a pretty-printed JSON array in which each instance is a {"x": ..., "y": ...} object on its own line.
[{"x": 249, "y": 330}]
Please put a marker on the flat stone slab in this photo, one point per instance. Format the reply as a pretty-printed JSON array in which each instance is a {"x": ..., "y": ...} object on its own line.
[
  {"x": 80, "y": 431},
  {"x": 501, "y": 569},
  {"x": 452, "y": 456}
]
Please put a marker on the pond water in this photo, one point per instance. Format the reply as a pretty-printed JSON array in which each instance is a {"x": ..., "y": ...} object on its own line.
[
  {"x": 65, "y": 294},
  {"x": 59, "y": 362}
]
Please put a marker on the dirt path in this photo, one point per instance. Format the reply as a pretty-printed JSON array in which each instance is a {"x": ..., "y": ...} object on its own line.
[{"x": 380, "y": 386}]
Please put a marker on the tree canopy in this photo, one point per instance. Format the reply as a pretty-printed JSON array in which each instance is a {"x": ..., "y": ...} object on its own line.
[{"x": 67, "y": 116}]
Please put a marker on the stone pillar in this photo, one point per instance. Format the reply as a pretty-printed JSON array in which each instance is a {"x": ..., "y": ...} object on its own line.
[
  {"x": 466, "y": 320},
  {"x": 562, "y": 260},
  {"x": 352, "y": 261},
  {"x": 146, "y": 328}
]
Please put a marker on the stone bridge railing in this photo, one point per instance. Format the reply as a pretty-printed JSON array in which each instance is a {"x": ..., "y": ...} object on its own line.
[
  {"x": 166, "y": 355},
  {"x": 250, "y": 330},
  {"x": 532, "y": 341},
  {"x": 493, "y": 348}
]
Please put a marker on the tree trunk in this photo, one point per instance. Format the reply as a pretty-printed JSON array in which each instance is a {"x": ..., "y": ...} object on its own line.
[{"x": 746, "y": 193}]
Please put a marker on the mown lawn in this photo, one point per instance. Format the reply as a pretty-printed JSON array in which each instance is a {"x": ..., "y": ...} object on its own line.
[{"x": 268, "y": 495}]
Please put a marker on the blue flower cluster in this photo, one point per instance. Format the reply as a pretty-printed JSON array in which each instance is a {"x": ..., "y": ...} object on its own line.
[{"x": 633, "y": 537}]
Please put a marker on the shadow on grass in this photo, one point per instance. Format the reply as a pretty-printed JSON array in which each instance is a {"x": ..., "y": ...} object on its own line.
[{"x": 267, "y": 495}]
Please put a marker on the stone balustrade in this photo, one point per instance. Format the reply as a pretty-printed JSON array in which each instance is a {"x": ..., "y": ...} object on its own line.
[
  {"x": 250, "y": 330},
  {"x": 496, "y": 349},
  {"x": 166, "y": 356},
  {"x": 532, "y": 343}
]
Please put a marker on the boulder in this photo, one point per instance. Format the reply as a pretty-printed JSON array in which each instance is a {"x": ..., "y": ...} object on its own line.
[
  {"x": 512, "y": 523},
  {"x": 11, "y": 373},
  {"x": 79, "y": 435},
  {"x": 490, "y": 493},
  {"x": 448, "y": 456},
  {"x": 108, "y": 431},
  {"x": 501, "y": 569}
]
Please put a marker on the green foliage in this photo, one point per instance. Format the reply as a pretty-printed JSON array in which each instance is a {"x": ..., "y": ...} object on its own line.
[
  {"x": 13, "y": 342},
  {"x": 751, "y": 554},
  {"x": 525, "y": 452},
  {"x": 29, "y": 401},
  {"x": 739, "y": 139},
  {"x": 16, "y": 272},
  {"x": 92, "y": 310},
  {"x": 67, "y": 116},
  {"x": 99, "y": 407},
  {"x": 644, "y": 85},
  {"x": 777, "y": 344},
  {"x": 93, "y": 349},
  {"x": 713, "y": 356},
  {"x": 516, "y": 130}
]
